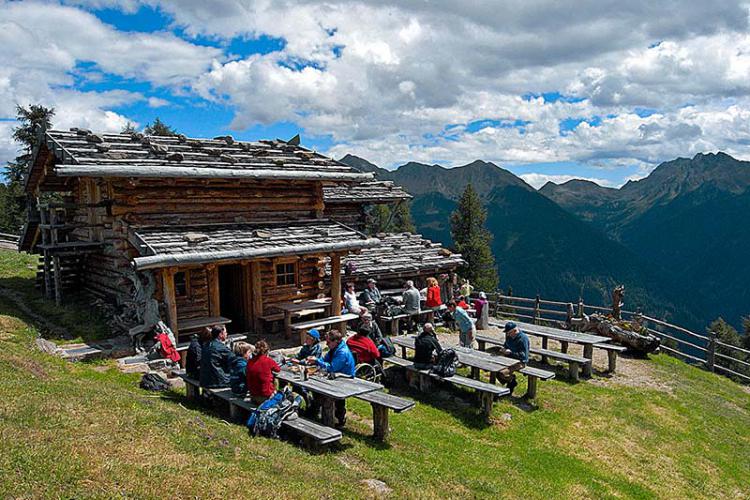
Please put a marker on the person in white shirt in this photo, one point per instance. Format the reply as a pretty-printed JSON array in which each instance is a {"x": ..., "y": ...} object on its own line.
[{"x": 351, "y": 303}]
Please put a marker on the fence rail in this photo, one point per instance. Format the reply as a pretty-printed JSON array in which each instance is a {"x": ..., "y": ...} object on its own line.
[
  {"x": 9, "y": 241},
  {"x": 695, "y": 348}
]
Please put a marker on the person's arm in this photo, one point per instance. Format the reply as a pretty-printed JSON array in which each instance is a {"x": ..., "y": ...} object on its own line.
[{"x": 275, "y": 366}]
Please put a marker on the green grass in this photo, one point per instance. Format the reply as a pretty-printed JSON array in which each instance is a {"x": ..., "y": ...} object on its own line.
[
  {"x": 80, "y": 321},
  {"x": 86, "y": 431}
]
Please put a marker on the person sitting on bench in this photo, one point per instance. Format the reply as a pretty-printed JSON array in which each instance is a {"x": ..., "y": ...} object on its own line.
[
  {"x": 426, "y": 348},
  {"x": 351, "y": 303},
  {"x": 411, "y": 305},
  {"x": 516, "y": 346},
  {"x": 215, "y": 360},
  {"x": 362, "y": 347},
  {"x": 372, "y": 328},
  {"x": 193, "y": 358},
  {"x": 310, "y": 348},
  {"x": 338, "y": 359},
  {"x": 466, "y": 329},
  {"x": 371, "y": 296},
  {"x": 238, "y": 376},
  {"x": 461, "y": 302},
  {"x": 260, "y": 370}
]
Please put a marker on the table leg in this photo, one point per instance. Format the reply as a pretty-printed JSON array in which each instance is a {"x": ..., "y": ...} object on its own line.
[
  {"x": 488, "y": 399},
  {"x": 475, "y": 373},
  {"x": 381, "y": 430},
  {"x": 612, "y": 355},
  {"x": 403, "y": 352},
  {"x": 328, "y": 410},
  {"x": 394, "y": 327},
  {"x": 588, "y": 353},
  {"x": 531, "y": 391},
  {"x": 481, "y": 345},
  {"x": 545, "y": 345},
  {"x": 563, "y": 347},
  {"x": 493, "y": 378}
]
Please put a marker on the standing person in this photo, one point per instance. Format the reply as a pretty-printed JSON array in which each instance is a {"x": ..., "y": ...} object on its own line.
[
  {"x": 466, "y": 289},
  {"x": 426, "y": 348},
  {"x": 311, "y": 347},
  {"x": 215, "y": 360},
  {"x": 433, "y": 293},
  {"x": 371, "y": 296},
  {"x": 516, "y": 346},
  {"x": 351, "y": 304},
  {"x": 410, "y": 303},
  {"x": 238, "y": 373},
  {"x": 481, "y": 305},
  {"x": 338, "y": 359},
  {"x": 446, "y": 287},
  {"x": 260, "y": 370},
  {"x": 466, "y": 329}
]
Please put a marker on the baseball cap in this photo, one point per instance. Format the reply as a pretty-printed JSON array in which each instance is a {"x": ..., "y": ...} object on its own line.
[
  {"x": 509, "y": 326},
  {"x": 314, "y": 333}
]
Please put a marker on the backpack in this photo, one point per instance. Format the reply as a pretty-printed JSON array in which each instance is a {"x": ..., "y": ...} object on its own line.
[
  {"x": 386, "y": 347},
  {"x": 154, "y": 382},
  {"x": 446, "y": 363},
  {"x": 267, "y": 418}
]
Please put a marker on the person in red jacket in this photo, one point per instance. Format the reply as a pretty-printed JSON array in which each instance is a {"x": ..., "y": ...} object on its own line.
[
  {"x": 433, "y": 293},
  {"x": 363, "y": 348},
  {"x": 260, "y": 369}
]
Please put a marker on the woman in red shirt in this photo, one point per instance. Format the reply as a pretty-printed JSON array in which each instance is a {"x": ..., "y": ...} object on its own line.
[
  {"x": 259, "y": 371},
  {"x": 433, "y": 293}
]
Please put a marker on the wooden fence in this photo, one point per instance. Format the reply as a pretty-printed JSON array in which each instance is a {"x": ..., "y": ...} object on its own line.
[
  {"x": 702, "y": 350},
  {"x": 9, "y": 241}
]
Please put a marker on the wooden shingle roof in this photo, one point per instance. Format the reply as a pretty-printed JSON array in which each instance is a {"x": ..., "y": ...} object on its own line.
[
  {"x": 365, "y": 192},
  {"x": 86, "y": 154},
  {"x": 177, "y": 245},
  {"x": 403, "y": 255}
]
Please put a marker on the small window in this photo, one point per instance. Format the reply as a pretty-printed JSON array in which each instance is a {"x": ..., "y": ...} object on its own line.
[
  {"x": 286, "y": 274},
  {"x": 181, "y": 284}
]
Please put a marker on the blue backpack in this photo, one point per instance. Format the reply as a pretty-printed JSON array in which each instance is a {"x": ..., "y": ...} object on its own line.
[{"x": 267, "y": 418}]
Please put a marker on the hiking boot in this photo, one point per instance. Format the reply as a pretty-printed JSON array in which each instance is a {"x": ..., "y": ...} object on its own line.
[{"x": 512, "y": 384}]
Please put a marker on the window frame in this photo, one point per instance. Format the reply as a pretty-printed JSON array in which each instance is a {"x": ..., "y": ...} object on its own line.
[
  {"x": 294, "y": 273},
  {"x": 186, "y": 295}
]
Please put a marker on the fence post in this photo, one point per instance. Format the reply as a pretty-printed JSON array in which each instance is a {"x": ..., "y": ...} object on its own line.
[
  {"x": 537, "y": 306},
  {"x": 711, "y": 351},
  {"x": 580, "y": 308}
]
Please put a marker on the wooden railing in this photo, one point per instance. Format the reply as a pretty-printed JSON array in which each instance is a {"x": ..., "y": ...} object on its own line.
[
  {"x": 702, "y": 350},
  {"x": 9, "y": 241}
]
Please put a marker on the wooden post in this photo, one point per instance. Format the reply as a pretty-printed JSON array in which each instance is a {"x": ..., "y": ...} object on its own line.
[
  {"x": 169, "y": 299},
  {"x": 328, "y": 410},
  {"x": 58, "y": 279},
  {"x": 531, "y": 390},
  {"x": 573, "y": 371},
  {"x": 580, "y": 308},
  {"x": 537, "y": 313},
  {"x": 380, "y": 422},
  {"x": 247, "y": 295},
  {"x": 588, "y": 353},
  {"x": 336, "y": 289},
  {"x": 612, "y": 361},
  {"x": 545, "y": 346},
  {"x": 257, "y": 294},
  {"x": 711, "y": 351},
  {"x": 214, "y": 306},
  {"x": 488, "y": 399}
]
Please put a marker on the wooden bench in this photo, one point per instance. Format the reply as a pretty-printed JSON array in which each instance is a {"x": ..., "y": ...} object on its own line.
[
  {"x": 381, "y": 402},
  {"x": 612, "y": 352},
  {"x": 192, "y": 387},
  {"x": 487, "y": 392},
  {"x": 395, "y": 320},
  {"x": 331, "y": 320},
  {"x": 574, "y": 362}
]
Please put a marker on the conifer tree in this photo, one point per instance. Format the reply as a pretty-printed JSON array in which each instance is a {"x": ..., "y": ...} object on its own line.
[
  {"x": 159, "y": 128},
  {"x": 386, "y": 219},
  {"x": 472, "y": 241},
  {"x": 402, "y": 222}
]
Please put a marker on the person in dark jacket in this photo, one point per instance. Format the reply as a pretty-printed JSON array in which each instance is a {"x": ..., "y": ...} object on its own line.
[
  {"x": 215, "y": 360},
  {"x": 516, "y": 346},
  {"x": 193, "y": 358},
  {"x": 426, "y": 348},
  {"x": 311, "y": 347},
  {"x": 237, "y": 375},
  {"x": 370, "y": 296}
]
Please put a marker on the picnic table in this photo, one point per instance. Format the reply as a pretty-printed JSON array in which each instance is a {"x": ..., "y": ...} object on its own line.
[
  {"x": 565, "y": 337},
  {"x": 329, "y": 390},
  {"x": 301, "y": 308}
]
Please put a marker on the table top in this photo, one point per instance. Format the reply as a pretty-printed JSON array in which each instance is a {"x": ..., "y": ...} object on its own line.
[
  {"x": 306, "y": 304},
  {"x": 556, "y": 333},
  {"x": 338, "y": 388},
  {"x": 469, "y": 357}
]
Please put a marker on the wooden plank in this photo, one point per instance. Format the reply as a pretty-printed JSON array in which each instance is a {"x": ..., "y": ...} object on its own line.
[
  {"x": 169, "y": 298},
  {"x": 257, "y": 296},
  {"x": 343, "y": 318},
  {"x": 214, "y": 303},
  {"x": 247, "y": 295},
  {"x": 389, "y": 401},
  {"x": 336, "y": 294}
]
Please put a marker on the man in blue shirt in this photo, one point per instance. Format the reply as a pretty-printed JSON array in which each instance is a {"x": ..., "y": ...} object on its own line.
[
  {"x": 466, "y": 328},
  {"x": 338, "y": 359},
  {"x": 516, "y": 346}
]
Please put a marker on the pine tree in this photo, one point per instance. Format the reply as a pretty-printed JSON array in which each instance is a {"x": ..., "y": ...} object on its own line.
[
  {"x": 385, "y": 219},
  {"x": 472, "y": 241},
  {"x": 31, "y": 120},
  {"x": 726, "y": 334},
  {"x": 159, "y": 128},
  {"x": 129, "y": 128},
  {"x": 746, "y": 327},
  {"x": 402, "y": 222}
]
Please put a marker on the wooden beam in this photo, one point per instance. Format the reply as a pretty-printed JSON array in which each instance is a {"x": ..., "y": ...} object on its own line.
[
  {"x": 170, "y": 301},
  {"x": 257, "y": 295},
  {"x": 336, "y": 288},
  {"x": 58, "y": 279},
  {"x": 214, "y": 306}
]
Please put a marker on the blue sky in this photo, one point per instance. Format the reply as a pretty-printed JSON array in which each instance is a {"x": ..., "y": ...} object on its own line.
[{"x": 548, "y": 98}]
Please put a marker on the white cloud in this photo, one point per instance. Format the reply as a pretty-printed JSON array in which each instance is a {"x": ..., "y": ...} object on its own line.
[{"x": 156, "y": 102}]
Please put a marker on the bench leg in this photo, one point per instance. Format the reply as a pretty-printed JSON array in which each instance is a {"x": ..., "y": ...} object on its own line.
[
  {"x": 235, "y": 413},
  {"x": 588, "y": 353},
  {"x": 573, "y": 368},
  {"x": 425, "y": 383},
  {"x": 493, "y": 378},
  {"x": 328, "y": 410},
  {"x": 475, "y": 373},
  {"x": 481, "y": 345},
  {"x": 563, "y": 347},
  {"x": 192, "y": 392},
  {"x": 531, "y": 391},
  {"x": 612, "y": 355},
  {"x": 403, "y": 352},
  {"x": 394, "y": 327},
  {"x": 488, "y": 400},
  {"x": 381, "y": 430}
]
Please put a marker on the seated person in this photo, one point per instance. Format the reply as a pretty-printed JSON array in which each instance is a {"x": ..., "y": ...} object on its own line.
[
  {"x": 237, "y": 374},
  {"x": 370, "y": 296},
  {"x": 426, "y": 348},
  {"x": 461, "y": 302},
  {"x": 311, "y": 347},
  {"x": 362, "y": 347},
  {"x": 338, "y": 359},
  {"x": 260, "y": 370},
  {"x": 193, "y": 358},
  {"x": 516, "y": 346},
  {"x": 351, "y": 303},
  {"x": 215, "y": 360},
  {"x": 433, "y": 293},
  {"x": 373, "y": 330}
]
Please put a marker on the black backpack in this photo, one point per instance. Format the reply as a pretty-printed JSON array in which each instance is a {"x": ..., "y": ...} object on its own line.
[
  {"x": 446, "y": 363},
  {"x": 154, "y": 382}
]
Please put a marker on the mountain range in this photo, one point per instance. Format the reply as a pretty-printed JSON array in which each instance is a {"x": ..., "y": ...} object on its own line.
[{"x": 677, "y": 239}]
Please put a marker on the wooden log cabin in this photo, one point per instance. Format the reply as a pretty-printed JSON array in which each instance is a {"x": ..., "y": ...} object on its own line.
[{"x": 191, "y": 230}]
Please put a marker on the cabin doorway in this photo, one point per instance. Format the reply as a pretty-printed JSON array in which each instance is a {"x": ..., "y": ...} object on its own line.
[{"x": 231, "y": 297}]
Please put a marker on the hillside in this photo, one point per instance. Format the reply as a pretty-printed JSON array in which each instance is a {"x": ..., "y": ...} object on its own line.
[
  {"x": 660, "y": 428},
  {"x": 540, "y": 248},
  {"x": 689, "y": 218}
]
